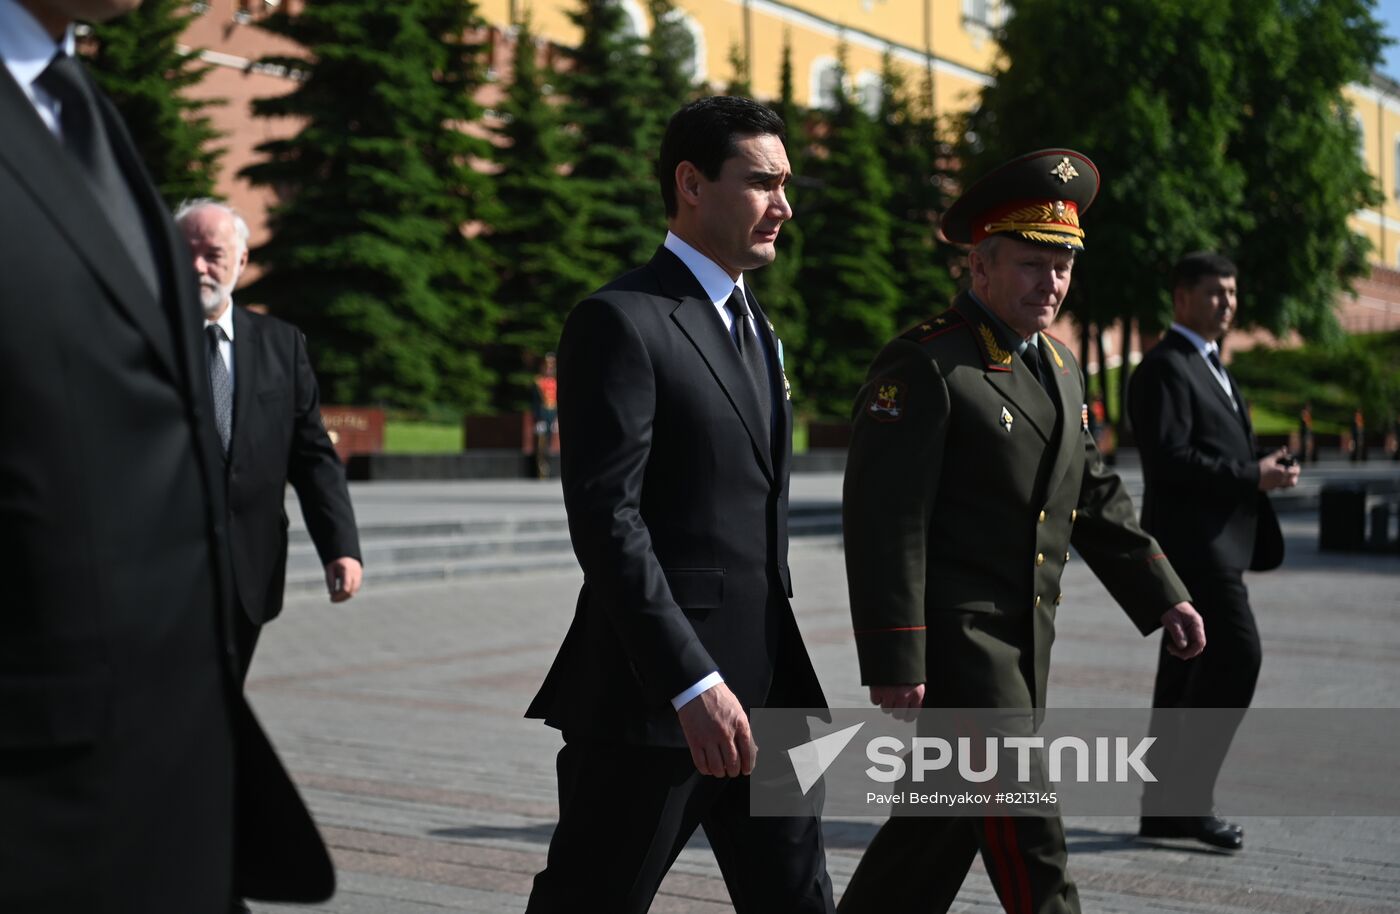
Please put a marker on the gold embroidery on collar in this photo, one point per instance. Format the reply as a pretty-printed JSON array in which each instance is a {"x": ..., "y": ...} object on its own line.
[{"x": 994, "y": 351}]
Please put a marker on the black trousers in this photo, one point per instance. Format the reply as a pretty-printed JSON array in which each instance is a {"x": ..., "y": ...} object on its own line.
[
  {"x": 625, "y": 812},
  {"x": 1186, "y": 759}
]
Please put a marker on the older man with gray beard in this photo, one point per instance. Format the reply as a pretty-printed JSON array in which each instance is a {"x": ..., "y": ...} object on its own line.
[{"x": 267, "y": 413}]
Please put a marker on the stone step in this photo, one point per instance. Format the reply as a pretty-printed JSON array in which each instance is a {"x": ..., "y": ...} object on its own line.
[
  {"x": 504, "y": 526},
  {"x": 304, "y": 574},
  {"x": 304, "y": 579},
  {"x": 379, "y": 552}
]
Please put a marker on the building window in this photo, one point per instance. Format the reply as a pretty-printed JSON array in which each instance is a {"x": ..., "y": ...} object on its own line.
[
  {"x": 1360, "y": 135},
  {"x": 826, "y": 83},
  {"x": 636, "y": 18},
  {"x": 983, "y": 15},
  {"x": 1397, "y": 168},
  {"x": 697, "y": 69},
  {"x": 868, "y": 92}
]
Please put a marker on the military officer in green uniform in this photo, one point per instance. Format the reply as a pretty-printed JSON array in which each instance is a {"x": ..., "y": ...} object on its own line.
[{"x": 971, "y": 472}]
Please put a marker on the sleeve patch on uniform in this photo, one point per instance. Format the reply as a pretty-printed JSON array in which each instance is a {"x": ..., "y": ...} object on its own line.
[{"x": 887, "y": 400}]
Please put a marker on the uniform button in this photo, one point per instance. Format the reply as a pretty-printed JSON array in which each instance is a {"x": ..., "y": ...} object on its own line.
[
  {"x": 1074, "y": 515},
  {"x": 1037, "y": 601},
  {"x": 1042, "y": 517},
  {"x": 1066, "y": 556},
  {"x": 1039, "y": 558},
  {"x": 1058, "y": 598}
]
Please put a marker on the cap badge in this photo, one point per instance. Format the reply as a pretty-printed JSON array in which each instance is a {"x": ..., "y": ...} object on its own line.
[{"x": 1064, "y": 171}]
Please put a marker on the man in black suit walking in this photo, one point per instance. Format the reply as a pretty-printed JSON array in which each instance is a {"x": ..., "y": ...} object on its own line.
[
  {"x": 1205, "y": 503},
  {"x": 676, "y": 437},
  {"x": 122, "y": 727},
  {"x": 267, "y": 413}
]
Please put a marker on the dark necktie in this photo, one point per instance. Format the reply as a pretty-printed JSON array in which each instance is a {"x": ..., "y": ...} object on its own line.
[
  {"x": 1032, "y": 357},
  {"x": 86, "y": 139},
  {"x": 221, "y": 384},
  {"x": 750, "y": 352}
]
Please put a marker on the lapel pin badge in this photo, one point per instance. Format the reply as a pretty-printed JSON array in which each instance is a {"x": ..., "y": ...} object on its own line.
[{"x": 1006, "y": 418}]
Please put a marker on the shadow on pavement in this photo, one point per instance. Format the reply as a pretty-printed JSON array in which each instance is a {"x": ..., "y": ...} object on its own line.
[{"x": 534, "y": 834}]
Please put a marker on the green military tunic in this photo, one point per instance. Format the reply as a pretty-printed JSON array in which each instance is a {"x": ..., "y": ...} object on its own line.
[{"x": 965, "y": 487}]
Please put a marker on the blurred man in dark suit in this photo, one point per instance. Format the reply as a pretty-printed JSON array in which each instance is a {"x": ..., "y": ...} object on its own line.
[
  {"x": 1205, "y": 503},
  {"x": 267, "y": 413},
  {"x": 123, "y": 733}
]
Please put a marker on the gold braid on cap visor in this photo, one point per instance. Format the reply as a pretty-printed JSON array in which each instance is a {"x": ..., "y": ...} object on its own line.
[{"x": 1041, "y": 222}]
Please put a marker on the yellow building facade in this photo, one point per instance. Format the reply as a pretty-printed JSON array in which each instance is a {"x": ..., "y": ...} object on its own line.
[{"x": 951, "y": 39}]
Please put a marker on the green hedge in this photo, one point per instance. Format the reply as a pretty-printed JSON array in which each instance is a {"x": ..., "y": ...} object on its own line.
[{"x": 1361, "y": 370}]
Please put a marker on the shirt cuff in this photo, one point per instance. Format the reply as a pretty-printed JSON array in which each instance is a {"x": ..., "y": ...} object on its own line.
[{"x": 704, "y": 685}]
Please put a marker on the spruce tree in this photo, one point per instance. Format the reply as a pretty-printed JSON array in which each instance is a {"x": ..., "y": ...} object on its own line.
[
  {"x": 469, "y": 268},
  {"x": 739, "y": 83},
  {"x": 776, "y": 284},
  {"x": 611, "y": 90},
  {"x": 671, "y": 55},
  {"x": 137, "y": 62},
  {"x": 538, "y": 234},
  {"x": 846, "y": 279},
  {"x": 908, "y": 142},
  {"x": 368, "y": 253}
]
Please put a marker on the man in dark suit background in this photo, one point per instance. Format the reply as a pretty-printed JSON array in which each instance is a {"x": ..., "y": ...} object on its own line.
[
  {"x": 1205, "y": 503},
  {"x": 676, "y": 439},
  {"x": 267, "y": 413},
  {"x": 122, "y": 727}
]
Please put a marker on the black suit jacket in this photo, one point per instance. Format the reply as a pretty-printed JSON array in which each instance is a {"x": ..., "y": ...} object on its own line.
[
  {"x": 678, "y": 514},
  {"x": 278, "y": 438},
  {"x": 1200, "y": 464},
  {"x": 122, "y": 726}
]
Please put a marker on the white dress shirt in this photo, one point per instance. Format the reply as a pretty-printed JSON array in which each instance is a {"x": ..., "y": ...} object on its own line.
[
  {"x": 1205, "y": 348},
  {"x": 225, "y": 345},
  {"x": 27, "y": 51},
  {"x": 712, "y": 278}
]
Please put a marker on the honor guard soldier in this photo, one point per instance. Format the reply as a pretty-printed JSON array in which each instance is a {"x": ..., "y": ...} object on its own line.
[{"x": 971, "y": 472}]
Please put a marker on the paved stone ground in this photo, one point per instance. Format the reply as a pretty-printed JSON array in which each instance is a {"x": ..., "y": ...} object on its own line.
[{"x": 399, "y": 715}]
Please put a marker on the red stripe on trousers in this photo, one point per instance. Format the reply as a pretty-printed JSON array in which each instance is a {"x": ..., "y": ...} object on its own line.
[
  {"x": 1005, "y": 885},
  {"x": 1023, "y": 878}
]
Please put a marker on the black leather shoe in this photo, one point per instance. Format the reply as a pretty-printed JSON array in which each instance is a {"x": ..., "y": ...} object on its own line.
[{"x": 1211, "y": 830}]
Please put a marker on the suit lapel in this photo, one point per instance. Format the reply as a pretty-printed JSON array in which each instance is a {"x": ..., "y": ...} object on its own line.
[
  {"x": 777, "y": 386},
  {"x": 245, "y": 353},
  {"x": 697, "y": 318},
  {"x": 1010, "y": 378},
  {"x": 1244, "y": 409},
  {"x": 1071, "y": 408},
  {"x": 1203, "y": 377},
  {"x": 40, "y": 164}
]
